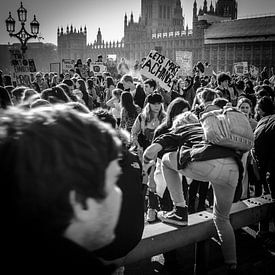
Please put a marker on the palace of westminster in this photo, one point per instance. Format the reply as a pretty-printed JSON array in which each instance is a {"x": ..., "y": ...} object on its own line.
[{"x": 217, "y": 36}]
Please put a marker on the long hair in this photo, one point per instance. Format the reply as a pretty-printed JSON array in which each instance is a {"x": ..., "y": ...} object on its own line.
[
  {"x": 128, "y": 104},
  {"x": 175, "y": 108},
  {"x": 148, "y": 114},
  {"x": 83, "y": 89}
]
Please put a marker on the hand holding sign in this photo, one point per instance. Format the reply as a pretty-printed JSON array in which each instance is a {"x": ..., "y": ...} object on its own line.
[{"x": 160, "y": 68}]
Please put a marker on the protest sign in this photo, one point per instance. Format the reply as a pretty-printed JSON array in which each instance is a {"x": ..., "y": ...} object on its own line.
[
  {"x": 97, "y": 68},
  {"x": 184, "y": 59},
  {"x": 23, "y": 68},
  {"x": 160, "y": 68},
  {"x": 241, "y": 68},
  {"x": 67, "y": 64}
]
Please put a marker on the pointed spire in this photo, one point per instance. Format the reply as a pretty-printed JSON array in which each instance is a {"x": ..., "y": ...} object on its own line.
[
  {"x": 67, "y": 29},
  {"x": 71, "y": 28},
  {"x": 132, "y": 17},
  {"x": 85, "y": 30},
  {"x": 58, "y": 31},
  {"x": 61, "y": 30},
  {"x": 80, "y": 28},
  {"x": 205, "y": 6}
]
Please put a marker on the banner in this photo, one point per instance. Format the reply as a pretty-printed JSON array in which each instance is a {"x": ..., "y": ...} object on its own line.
[
  {"x": 97, "y": 68},
  {"x": 241, "y": 68},
  {"x": 160, "y": 68},
  {"x": 184, "y": 59},
  {"x": 67, "y": 64}
]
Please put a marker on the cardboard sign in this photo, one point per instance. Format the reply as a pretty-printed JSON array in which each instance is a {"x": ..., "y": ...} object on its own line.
[
  {"x": 67, "y": 64},
  {"x": 23, "y": 68},
  {"x": 241, "y": 68},
  {"x": 97, "y": 68},
  {"x": 184, "y": 59},
  {"x": 160, "y": 68}
]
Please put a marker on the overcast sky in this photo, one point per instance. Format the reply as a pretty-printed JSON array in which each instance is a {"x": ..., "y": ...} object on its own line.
[{"x": 106, "y": 14}]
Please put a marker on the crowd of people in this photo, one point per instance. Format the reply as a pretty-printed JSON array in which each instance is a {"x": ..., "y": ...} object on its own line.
[{"x": 70, "y": 143}]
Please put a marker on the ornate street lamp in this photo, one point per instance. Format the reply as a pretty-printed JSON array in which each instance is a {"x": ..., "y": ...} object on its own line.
[{"x": 22, "y": 35}]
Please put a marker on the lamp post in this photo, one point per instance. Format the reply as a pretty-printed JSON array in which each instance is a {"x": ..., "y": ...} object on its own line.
[{"x": 23, "y": 35}]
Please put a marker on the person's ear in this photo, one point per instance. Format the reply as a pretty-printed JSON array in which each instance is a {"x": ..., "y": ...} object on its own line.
[{"x": 80, "y": 212}]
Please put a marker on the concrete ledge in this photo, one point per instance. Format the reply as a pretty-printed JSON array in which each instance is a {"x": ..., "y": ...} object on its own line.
[{"x": 160, "y": 237}]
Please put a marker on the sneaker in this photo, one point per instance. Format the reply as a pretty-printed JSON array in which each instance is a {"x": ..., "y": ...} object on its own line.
[
  {"x": 178, "y": 216},
  {"x": 151, "y": 215}
]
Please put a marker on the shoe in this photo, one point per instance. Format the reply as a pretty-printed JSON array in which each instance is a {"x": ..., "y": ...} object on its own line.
[
  {"x": 178, "y": 216},
  {"x": 151, "y": 215}
]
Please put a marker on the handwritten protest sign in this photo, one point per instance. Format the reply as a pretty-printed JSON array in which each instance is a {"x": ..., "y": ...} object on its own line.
[
  {"x": 23, "y": 68},
  {"x": 160, "y": 68},
  {"x": 241, "y": 68},
  {"x": 67, "y": 64},
  {"x": 184, "y": 59}
]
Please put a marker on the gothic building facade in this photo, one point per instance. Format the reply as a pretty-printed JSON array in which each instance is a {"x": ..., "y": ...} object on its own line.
[{"x": 161, "y": 26}]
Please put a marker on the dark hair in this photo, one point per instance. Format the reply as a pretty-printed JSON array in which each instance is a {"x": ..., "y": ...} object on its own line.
[
  {"x": 151, "y": 82},
  {"x": 43, "y": 145},
  {"x": 127, "y": 78},
  {"x": 128, "y": 104},
  {"x": 69, "y": 82},
  {"x": 120, "y": 85},
  {"x": 240, "y": 84},
  {"x": 67, "y": 91},
  {"x": 7, "y": 80},
  {"x": 208, "y": 94},
  {"x": 155, "y": 98},
  {"x": 266, "y": 105},
  {"x": 18, "y": 93},
  {"x": 5, "y": 100},
  {"x": 109, "y": 81},
  {"x": 222, "y": 77},
  {"x": 55, "y": 95},
  {"x": 83, "y": 89},
  {"x": 175, "y": 108},
  {"x": 105, "y": 116},
  {"x": 220, "y": 102}
]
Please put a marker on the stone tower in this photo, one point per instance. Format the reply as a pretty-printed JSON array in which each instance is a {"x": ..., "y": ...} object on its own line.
[{"x": 227, "y": 8}]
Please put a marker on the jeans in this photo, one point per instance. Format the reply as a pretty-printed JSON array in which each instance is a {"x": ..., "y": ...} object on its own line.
[{"x": 223, "y": 175}]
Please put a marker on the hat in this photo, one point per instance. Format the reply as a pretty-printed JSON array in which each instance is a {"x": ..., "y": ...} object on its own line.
[{"x": 155, "y": 98}]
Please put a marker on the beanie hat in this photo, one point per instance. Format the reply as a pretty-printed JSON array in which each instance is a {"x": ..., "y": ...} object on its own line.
[{"x": 155, "y": 98}]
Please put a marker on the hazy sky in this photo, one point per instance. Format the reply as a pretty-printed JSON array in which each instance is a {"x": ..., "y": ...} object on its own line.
[{"x": 106, "y": 14}]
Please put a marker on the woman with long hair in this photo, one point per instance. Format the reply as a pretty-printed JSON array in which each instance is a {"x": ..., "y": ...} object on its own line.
[
  {"x": 110, "y": 85},
  {"x": 143, "y": 132},
  {"x": 114, "y": 104},
  {"x": 81, "y": 85},
  {"x": 92, "y": 92},
  {"x": 129, "y": 111},
  {"x": 147, "y": 121},
  {"x": 176, "y": 107}
]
